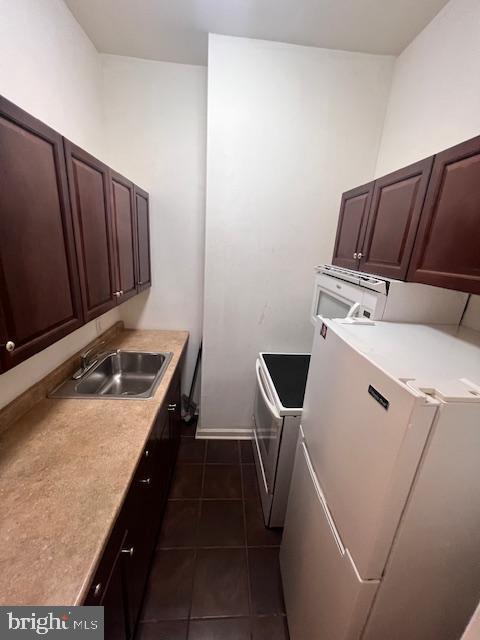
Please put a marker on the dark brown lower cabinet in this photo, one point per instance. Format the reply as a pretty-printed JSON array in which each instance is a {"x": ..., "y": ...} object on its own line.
[
  {"x": 120, "y": 579},
  {"x": 174, "y": 415},
  {"x": 114, "y": 599}
]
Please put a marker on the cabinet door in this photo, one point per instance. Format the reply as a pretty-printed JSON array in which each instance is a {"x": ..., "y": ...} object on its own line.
[
  {"x": 88, "y": 182},
  {"x": 397, "y": 202},
  {"x": 143, "y": 239},
  {"x": 142, "y": 519},
  {"x": 123, "y": 209},
  {"x": 108, "y": 586},
  {"x": 352, "y": 222},
  {"x": 163, "y": 463},
  {"x": 39, "y": 287},
  {"x": 175, "y": 416},
  {"x": 447, "y": 246},
  {"x": 115, "y": 603}
]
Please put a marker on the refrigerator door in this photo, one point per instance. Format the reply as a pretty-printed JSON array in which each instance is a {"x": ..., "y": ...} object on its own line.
[
  {"x": 433, "y": 571},
  {"x": 324, "y": 595},
  {"x": 365, "y": 432}
]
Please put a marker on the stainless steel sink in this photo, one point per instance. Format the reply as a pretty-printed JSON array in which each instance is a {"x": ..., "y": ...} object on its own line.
[{"x": 121, "y": 374}]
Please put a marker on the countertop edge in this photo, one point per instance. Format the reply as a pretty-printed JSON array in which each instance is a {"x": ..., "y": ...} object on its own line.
[{"x": 96, "y": 561}]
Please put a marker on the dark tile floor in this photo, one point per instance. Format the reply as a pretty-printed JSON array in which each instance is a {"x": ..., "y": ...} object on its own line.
[{"x": 215, "y": 574}]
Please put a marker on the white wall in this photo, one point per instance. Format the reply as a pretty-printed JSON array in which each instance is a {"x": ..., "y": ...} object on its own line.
[
  {"x": 146, "y": 119},
  {"x": 155, "y": 115},
  {"x": 50, "y": 68},
  {"x": 435, "y": 97},
  {"x": 289, "y": 128}
]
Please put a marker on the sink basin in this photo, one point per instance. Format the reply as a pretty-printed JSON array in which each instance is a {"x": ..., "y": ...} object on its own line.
[{"x": 121, "y": 374}]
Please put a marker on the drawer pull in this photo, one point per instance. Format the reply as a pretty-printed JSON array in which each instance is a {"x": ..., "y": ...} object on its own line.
[
  {"x": 172, "y": 407},
  {"x": 146, "y": 481},
  {"x": 97, "y": 590},
  {"x": 128, "y": 551},
  {"x": 147, "y": 453}
]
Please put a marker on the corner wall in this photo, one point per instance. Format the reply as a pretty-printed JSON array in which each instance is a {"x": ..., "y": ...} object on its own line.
[
  {"x": 289, "y": 128},
  {"x": 155, "y": 127},
  {"x": 434, "y": 101},
  {"x": 49, "y": 67}
]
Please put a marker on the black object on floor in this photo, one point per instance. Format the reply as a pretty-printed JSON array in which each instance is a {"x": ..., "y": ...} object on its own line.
[
  {"x": 189, "y": 407},
  {"x": 215, "y": 574}
]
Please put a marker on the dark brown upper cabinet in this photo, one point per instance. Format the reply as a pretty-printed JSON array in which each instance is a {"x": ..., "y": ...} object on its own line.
[
  {"x": 124, "y": 224},
  {"x": 143, "y": 239},
  {"x": 393, "y": 220},
  {"x": 447, "y": 246},
  {"x": 89, "y": 186},
  {"x": 352, "y": 221},
  {"x": 40, "y": 299}
]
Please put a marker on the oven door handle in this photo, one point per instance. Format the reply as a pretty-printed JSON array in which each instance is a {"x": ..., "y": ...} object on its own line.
[{"x": 266, "y": 399}]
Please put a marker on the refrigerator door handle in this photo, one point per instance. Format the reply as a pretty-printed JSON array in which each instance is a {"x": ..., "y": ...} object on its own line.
[
  {"x": 263, "y": 391},
  {"x": 321, "y": 499}
]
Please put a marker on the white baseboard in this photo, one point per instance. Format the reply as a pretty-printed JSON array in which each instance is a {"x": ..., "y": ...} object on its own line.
[{"x": 224, "y": 434}]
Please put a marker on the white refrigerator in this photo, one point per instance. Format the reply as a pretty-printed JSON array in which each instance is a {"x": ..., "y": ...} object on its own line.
[{"x": 382, "y": 532}]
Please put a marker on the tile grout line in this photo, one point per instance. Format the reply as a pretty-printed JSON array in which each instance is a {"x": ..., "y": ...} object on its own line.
[
  {"x": 197, "y": 547},
  {"x": 197, "y": 530},
  {"x": 250, "y": 610}
]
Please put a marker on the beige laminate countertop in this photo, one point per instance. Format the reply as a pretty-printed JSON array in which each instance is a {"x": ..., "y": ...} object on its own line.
[{"x": 65, "y": 467}]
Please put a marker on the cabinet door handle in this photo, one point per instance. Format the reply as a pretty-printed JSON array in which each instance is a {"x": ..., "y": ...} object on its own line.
[
  {"x": 360, "y": 255},
  {"x": 172, "y": 407},
  {"x": 97, "y": 590},
  {"x": 354, "y": 256},
  {"x": 128, "y": 551},
  {"x": 146, "y": 481},
  {"x": 147, "y": 453}
]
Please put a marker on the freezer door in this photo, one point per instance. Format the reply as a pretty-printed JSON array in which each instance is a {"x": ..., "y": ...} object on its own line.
[
  {"x": 324, "y": 595},
  {"x": 365, "y": 432}
]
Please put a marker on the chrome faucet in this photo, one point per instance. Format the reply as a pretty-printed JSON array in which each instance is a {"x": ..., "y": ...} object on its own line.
[{"x": 85, "y": 362}]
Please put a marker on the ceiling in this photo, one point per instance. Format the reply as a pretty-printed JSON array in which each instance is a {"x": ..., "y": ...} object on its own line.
[{"x": 176, "y": 30}]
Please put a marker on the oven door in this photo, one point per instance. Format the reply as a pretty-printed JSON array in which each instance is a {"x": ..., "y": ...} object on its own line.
[{"x": 268, "y": 431}]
